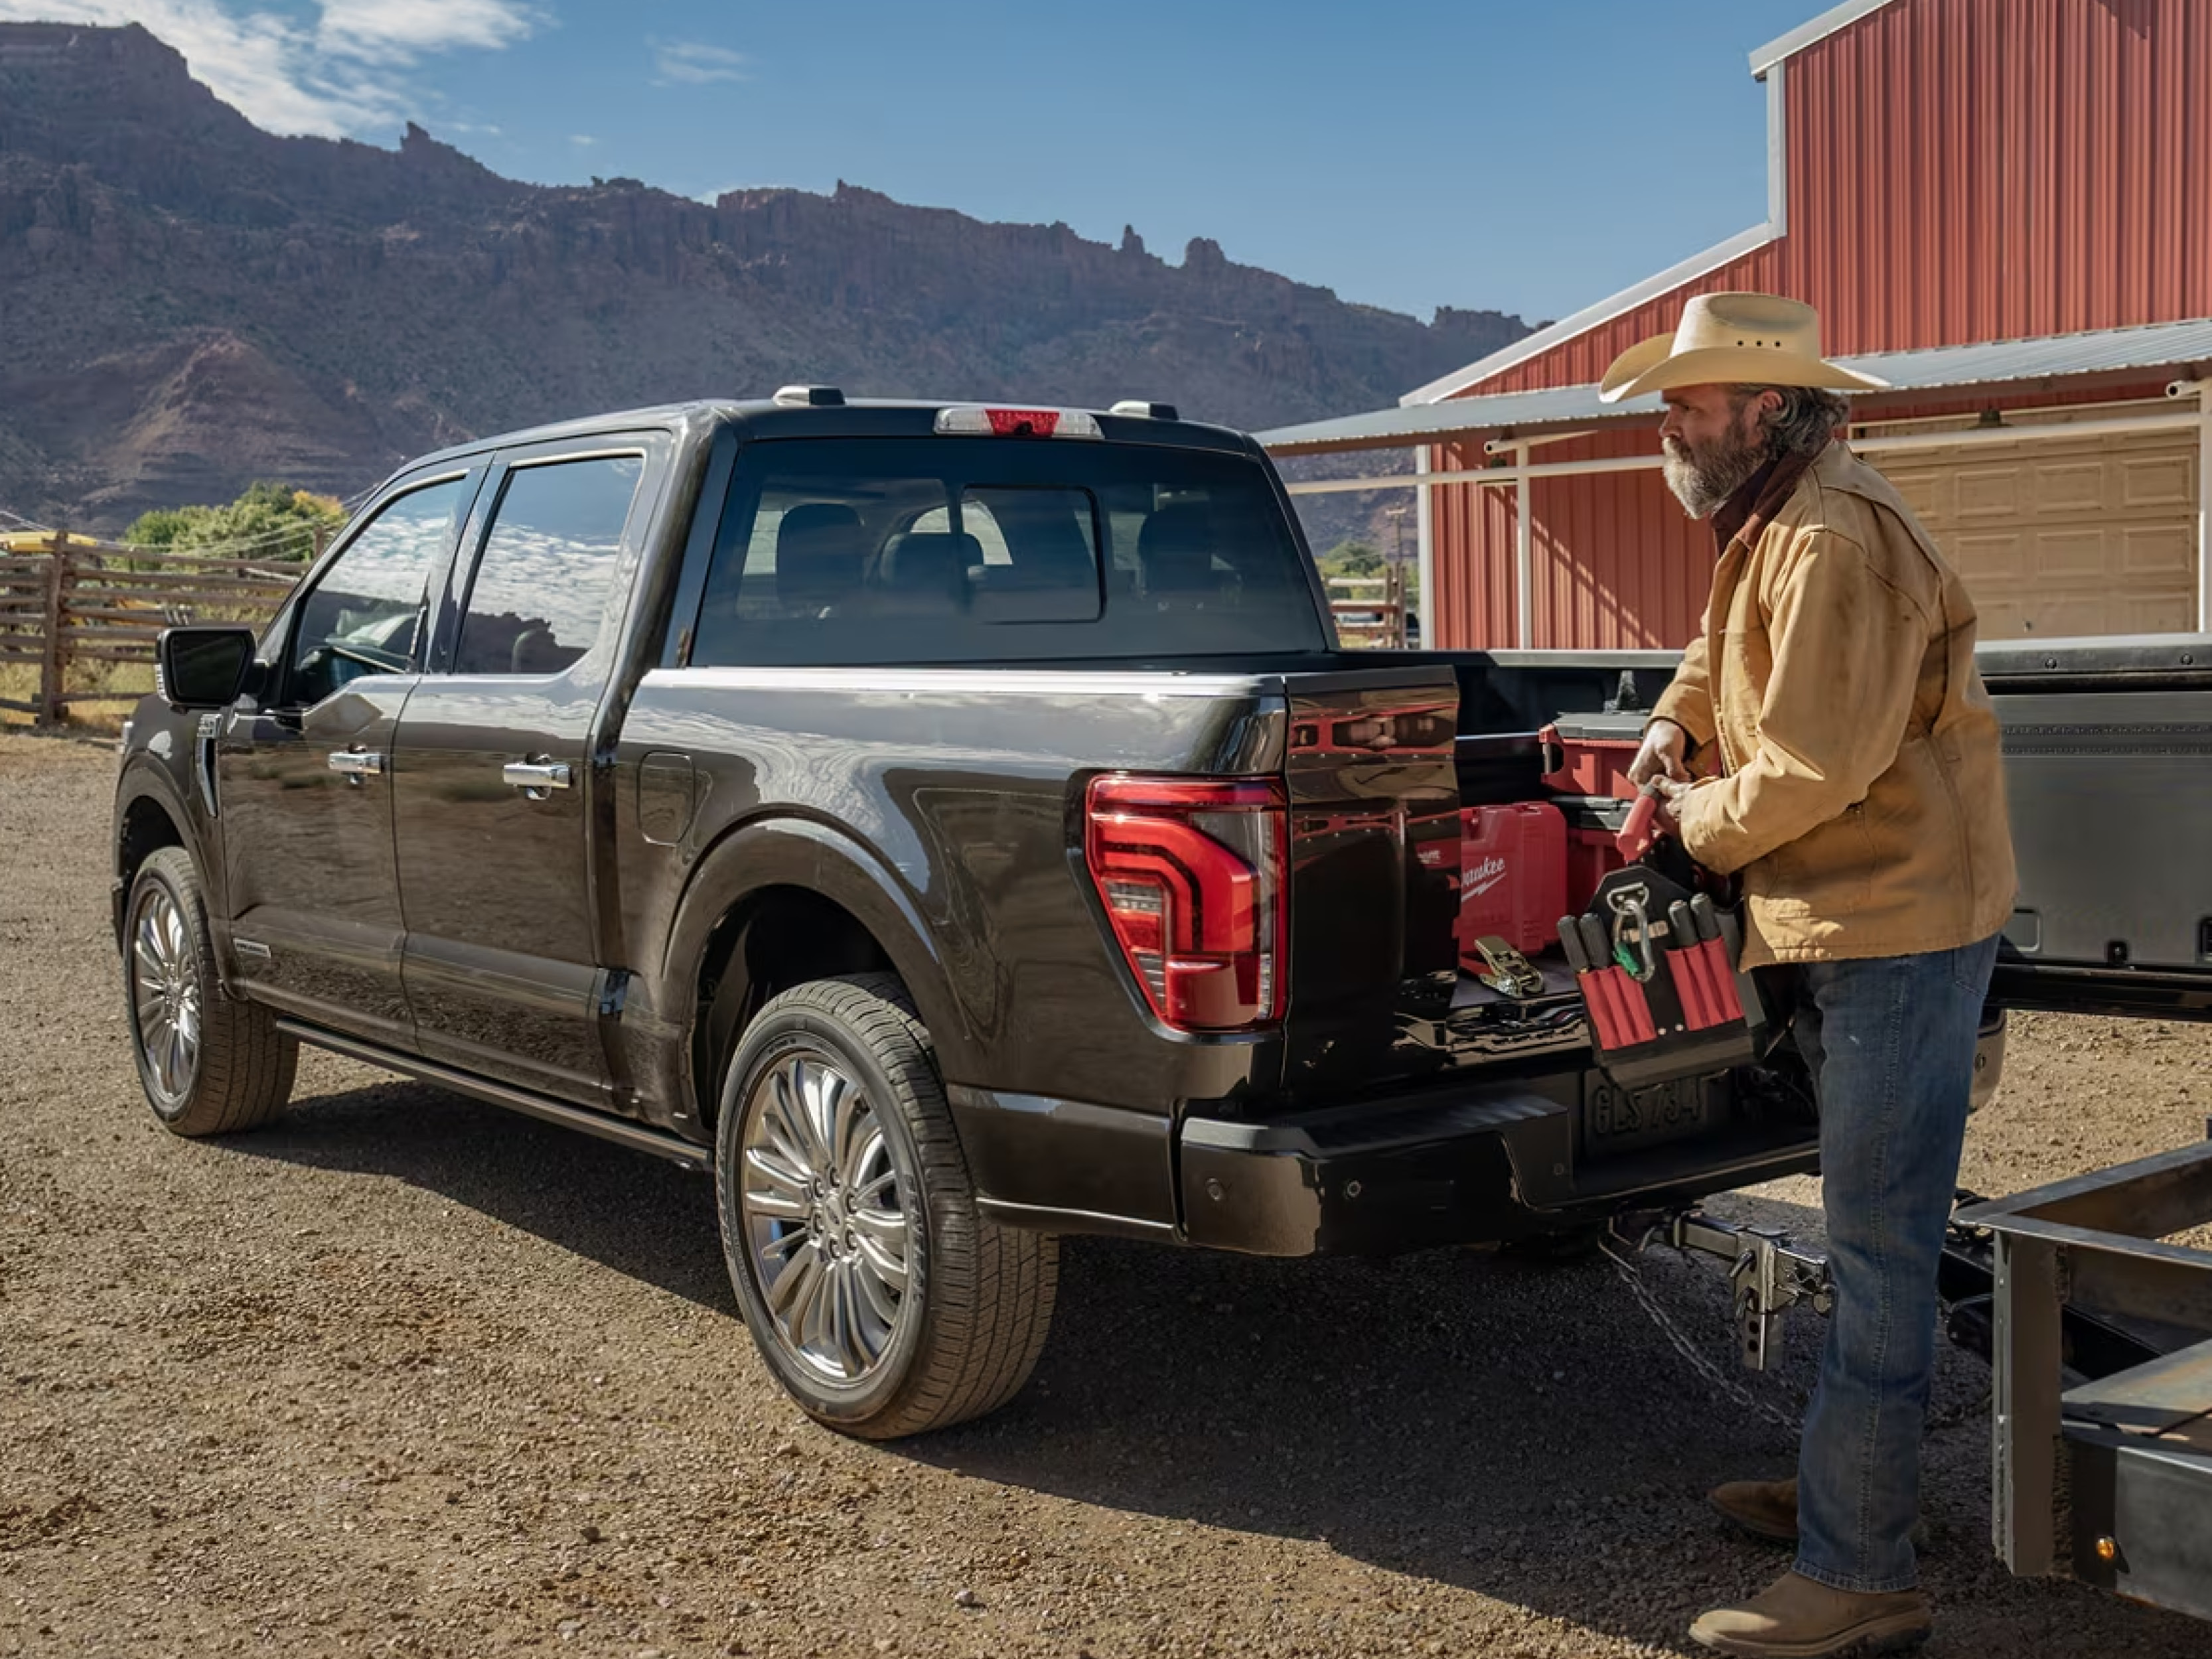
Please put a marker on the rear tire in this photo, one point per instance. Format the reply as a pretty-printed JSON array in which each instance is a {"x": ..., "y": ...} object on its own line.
[
  {"x": 210, "y": 1065},
  {"x": 883, "y": 1300}
]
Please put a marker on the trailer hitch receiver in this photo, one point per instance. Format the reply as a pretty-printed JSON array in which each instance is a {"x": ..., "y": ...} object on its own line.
[{"x": 1768, "y": 1275}]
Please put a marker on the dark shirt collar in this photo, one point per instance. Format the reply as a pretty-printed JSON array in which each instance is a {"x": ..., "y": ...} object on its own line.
[{"x": 1732, "y": 514}]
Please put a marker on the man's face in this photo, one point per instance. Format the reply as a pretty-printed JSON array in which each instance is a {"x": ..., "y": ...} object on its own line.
[{"x": 1713, "y": 441}]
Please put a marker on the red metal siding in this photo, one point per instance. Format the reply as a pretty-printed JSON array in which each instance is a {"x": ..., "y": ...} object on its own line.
[
  {"x": 1616, "y": 562},
  {"x": 1958, "y": 170},
  {"x": 1969, "y": 170}
]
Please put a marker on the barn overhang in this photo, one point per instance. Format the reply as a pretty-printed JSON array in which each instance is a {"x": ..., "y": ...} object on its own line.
[{"x": 1997, "y": 384}]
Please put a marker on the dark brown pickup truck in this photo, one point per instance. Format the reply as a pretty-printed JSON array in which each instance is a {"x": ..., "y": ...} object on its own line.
[{"x": 958, "y": 827}]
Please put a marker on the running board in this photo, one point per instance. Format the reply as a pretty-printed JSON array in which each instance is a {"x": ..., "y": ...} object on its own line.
[{"x": 635, "y": 1136}]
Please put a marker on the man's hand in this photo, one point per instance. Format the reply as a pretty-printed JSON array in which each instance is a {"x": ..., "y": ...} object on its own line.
[
  {"x": 1665, "y": 754},
  {"x": 1670, "y": 797}
]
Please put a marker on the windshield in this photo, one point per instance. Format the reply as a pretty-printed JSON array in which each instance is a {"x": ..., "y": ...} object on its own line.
[{"x": 900, "y": 551}]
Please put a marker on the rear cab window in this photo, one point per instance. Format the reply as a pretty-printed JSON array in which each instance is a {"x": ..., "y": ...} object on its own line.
[{"x": 911, "y": 551}]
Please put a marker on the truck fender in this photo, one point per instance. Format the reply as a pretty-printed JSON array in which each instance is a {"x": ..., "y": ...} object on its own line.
[
  {"x": 145, "y": 779},
  {"x": 816, "y": 858}
]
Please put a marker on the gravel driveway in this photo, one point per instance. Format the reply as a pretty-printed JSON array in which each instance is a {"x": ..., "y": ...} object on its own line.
[{"x": 409, "y": 1375}]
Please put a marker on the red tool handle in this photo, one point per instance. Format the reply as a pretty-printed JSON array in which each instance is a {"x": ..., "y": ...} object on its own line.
[
  {"x": 1722, "y": 977},
  {"x": 1595, "y": 999},
  {"x": 1640, "y": 1026},
  {"x": 1689, "y": 988},
  {"x": 1635, "y": 837}
]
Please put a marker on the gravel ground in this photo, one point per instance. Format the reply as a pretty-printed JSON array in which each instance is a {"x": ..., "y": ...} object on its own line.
[{"x": 408, "y": 1374}]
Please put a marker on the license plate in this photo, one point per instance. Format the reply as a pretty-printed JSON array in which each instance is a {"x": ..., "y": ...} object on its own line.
[{"x": 1618, "y": 1120}]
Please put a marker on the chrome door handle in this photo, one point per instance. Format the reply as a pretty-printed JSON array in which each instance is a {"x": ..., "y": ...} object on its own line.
[
  {"x": 355, "y": 764},
  {"x": 536, "y": 779}
]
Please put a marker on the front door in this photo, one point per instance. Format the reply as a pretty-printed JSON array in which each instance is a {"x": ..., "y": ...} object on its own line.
[
  {"x": 494, "y": 789},
  {"x": 303, "y": 774}
]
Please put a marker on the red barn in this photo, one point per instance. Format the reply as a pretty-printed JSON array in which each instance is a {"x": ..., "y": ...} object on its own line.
[{"x": 2003, "y": 208}]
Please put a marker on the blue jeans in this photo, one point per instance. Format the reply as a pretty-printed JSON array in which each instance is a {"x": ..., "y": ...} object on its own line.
[{"x": 1890, "y": 1041}]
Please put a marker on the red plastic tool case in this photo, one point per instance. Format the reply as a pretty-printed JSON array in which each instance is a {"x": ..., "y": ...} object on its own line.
[
  {"x": 1590, "y": 754},
  {"x": 1513, "y": 875}
]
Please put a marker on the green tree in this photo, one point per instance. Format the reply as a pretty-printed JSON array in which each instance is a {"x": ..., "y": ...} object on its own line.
[
  {"x": 269, "y": 521},
  {"x": 1349, "y": 558}
]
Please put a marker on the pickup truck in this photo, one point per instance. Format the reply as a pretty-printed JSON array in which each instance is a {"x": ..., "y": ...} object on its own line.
[{"x": 957, "y": 827}]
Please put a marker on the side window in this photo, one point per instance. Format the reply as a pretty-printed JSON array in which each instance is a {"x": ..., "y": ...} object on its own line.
[
  {"x": 365, "y": 615},
  {"x": 543, "y": 582}
]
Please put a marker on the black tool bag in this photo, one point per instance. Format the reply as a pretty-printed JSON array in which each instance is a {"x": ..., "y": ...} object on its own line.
[{"x": 1656, "y": 959}]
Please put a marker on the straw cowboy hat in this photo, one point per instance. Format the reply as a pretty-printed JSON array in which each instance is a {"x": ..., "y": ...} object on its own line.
[{"x": 1733, "y": 339}]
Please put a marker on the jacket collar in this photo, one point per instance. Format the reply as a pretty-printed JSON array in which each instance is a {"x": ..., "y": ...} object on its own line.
[{"x": 1745, "y": 514}]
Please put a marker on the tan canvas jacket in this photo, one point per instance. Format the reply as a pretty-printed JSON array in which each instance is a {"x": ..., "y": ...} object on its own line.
[{"x": 1860, "y": 794}]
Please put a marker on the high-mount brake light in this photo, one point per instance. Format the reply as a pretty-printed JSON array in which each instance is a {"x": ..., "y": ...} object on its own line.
[
  {"x": 974, "y": 420},
  {"x": 1194, "y": 874}
]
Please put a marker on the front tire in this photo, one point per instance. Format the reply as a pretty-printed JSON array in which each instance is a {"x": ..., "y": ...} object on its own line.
[
  {"x": 883, "y": 1300},
  {"x": 210, "y": 1065}
]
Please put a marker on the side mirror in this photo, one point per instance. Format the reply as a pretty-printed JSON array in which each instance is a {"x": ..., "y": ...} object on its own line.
[{"x": 202, "y": 667}]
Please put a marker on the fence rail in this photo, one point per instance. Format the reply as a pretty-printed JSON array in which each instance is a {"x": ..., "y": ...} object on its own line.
[
  {"x": 1371, "y": 611},
  {"x": 69, "y": 601}
]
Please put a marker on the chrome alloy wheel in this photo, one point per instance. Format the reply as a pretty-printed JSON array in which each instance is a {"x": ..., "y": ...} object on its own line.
[
  {"x": 165, "y": 992},
  {"x": 825, "y": 1222}
]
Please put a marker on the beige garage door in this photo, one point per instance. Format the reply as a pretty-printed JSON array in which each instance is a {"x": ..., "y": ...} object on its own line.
[{"x": 2058, "y": 537}]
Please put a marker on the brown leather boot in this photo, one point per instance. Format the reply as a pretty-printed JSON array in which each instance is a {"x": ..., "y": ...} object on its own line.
[
  {"x": 1768, "y": 1509},
  {"x": 1765, "y": 1509},
  {"x": 1799, "y": 1618}
]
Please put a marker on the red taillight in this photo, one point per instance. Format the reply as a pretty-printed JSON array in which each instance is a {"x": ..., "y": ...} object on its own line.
[
  {"x": 975, "y": 420},
  {"x": 1192, "y": 875},
  {"x": 1023, "y": 423}
]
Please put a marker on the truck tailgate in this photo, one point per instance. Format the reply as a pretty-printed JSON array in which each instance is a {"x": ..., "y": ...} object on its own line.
[{"x": 1374, "y": 872}]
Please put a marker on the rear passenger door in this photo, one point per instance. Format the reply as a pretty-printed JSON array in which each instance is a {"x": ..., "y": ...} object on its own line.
[{"x": 495, "y": 793}]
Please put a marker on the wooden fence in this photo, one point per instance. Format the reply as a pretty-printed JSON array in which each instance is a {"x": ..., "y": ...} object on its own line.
[
  {"x": 67, "y": 601},
  {"x": 1371, "y": 611}
]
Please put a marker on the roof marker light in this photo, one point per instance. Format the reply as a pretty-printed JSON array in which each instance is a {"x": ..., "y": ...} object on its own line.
[
  {"x": 1138, "y": 409},
  {"x": 809, "y": 396}
]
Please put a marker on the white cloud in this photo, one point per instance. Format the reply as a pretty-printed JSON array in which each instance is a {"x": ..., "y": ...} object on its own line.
[
  {"x": 339, "y": 77},
  {"x": 400, "y": 31},
  {"x": 582, "y": 140},
  {"x": 694, "y": 63}
]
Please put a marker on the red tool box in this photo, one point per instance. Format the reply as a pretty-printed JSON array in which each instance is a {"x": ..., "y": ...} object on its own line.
[
  {"x": 1590, "y": 754},
  {"x": 1513, "y": 875}
]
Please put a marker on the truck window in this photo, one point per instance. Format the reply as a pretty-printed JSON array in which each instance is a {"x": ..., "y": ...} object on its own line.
[
  {"x": 364, "y": 615},
  {"x": 847, "y": 551},
  {"x": 542, "y": 583}
]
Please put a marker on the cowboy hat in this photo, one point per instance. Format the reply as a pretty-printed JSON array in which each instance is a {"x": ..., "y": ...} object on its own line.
[{"x": 1733, "y": 339}]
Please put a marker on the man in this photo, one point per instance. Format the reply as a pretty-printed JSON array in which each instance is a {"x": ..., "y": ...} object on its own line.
[{"x": 1848, "y": 770}]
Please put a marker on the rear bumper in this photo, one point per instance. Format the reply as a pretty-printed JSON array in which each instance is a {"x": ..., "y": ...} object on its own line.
[{"x": 1472, "y": 1166}]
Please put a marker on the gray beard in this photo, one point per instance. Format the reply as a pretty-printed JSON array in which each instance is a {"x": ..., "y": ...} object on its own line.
[{"x": 1704, "y": 477}]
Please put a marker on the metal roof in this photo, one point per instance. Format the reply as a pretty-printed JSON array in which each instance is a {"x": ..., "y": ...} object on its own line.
[
  {"x": 1580, "y": 322},
  {"x": 2155, "y": 345},
  {"x": 1805, "y": 34}
]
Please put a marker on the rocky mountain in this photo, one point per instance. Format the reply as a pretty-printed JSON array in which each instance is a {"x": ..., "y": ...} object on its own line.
[{"x": 188, "y": 303}]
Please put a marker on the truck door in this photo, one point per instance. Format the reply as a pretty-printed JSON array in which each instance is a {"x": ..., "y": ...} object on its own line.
[
  {"x": 2108, "y": 774},
  {"x": 495, "y": 793},
  {"x": 303, "y": 773}
]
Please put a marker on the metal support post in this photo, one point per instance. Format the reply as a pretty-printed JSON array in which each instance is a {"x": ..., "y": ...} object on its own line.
[
  {"x": 2024, "y": 1448},
  {"x": 1524, "y": 558}
]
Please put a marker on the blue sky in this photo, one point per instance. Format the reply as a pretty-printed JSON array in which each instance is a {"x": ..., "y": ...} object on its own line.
[{"x": 1531, "y": 157}]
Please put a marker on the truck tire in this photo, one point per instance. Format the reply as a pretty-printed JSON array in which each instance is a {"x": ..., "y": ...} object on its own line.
[
  {"x": 210, "y": 1064},
  {"x": 884, "y": 1303}
]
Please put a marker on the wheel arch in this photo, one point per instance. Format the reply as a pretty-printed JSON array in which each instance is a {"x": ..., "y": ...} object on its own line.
[
  {"x": 148, "y": 816},
  {"x": 779, "y": 901}
]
